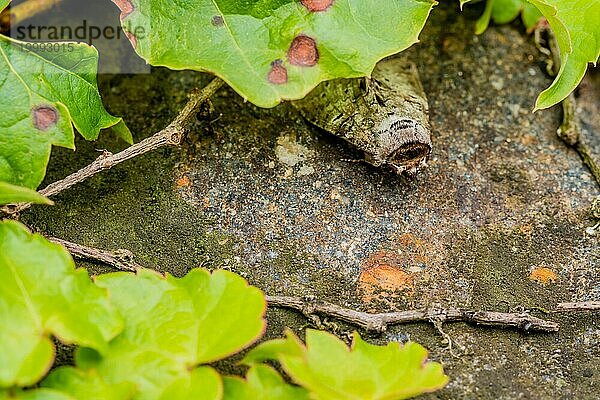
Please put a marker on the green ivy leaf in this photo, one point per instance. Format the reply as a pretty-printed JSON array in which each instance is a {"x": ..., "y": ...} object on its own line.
[
  {"x": 273, "y": 50},
  {"x": 505, "y": 11},
  {"x": 42, "y": 294},
  {"x": 43, "y": 93},
  {"x": 79, "y": 383},
  {"x": 10, "y": 194},
  {"x": 172, "y": 326},
  {"x": 262, "y": 382},
  {"x": 576, "y": 25},
  {"x": 389, "y": 372},
  {"x": 36, "y": 394}
]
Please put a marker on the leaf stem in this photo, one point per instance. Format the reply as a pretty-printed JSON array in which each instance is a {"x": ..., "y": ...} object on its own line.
[{"x": 172, "y": 135}]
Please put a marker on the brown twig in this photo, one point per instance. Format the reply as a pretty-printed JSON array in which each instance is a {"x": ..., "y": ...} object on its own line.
[
  {"x": 169, "y": 136},
  {"x": 570, "y": 133},
  {"x": 121, "y": 259},
  {"x": 380, "y": 322},
  {"x": 578, "y": 306}
]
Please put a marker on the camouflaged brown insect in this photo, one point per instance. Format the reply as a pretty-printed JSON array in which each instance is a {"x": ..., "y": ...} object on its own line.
[{"x": 385, "y": 116}]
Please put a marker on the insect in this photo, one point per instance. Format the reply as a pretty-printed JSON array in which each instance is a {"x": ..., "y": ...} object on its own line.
[{"x": 385, "y": 116}]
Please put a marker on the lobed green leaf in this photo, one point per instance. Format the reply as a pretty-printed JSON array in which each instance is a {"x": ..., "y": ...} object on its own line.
[
  {"x": 172, "y": 327},
  {"x": 262, "y": 382},
  {"x": 43, "y": 295},
  {"x": 576, "y": 25},
  {"x": 35, "y": 394},
  {"x": 273, "y": 50},
  {"x": 43, "y": 93},
  {"x": 329, "y": 370},
  {"x": 505, "y": 11},
  {"x": 10, "y": 194}
]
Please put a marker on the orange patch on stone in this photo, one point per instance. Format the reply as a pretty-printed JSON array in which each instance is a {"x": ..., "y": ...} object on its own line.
[
  {"x": 543, "y": 275},
  {"x": 316, "y": 5},
  {"x": 382, "y": 272},
  {"x": 184, "y": 181},
  {"x": 303, "y": 51},
  {"x": 526, "y": 230}
]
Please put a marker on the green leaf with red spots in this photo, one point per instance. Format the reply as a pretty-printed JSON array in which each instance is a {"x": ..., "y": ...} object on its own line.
[
  {"x": 173, "y": 327},
  {"x": 331, "y": 371},
  {"x": 42, "y": 95},
  {"x": 273, "y": 50}
]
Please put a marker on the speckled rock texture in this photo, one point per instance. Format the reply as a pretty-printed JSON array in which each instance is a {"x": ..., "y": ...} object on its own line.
[{"x": 496, "y": 222}]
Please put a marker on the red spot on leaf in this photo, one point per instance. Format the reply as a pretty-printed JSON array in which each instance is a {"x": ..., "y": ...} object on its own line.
[
  {"x": 132, "y": 39},
  {"x": 126, "y": 7},
  {"x": 303, "y": 51},
  {"x": 316, "y": 5},
  {"x": 44, "y": 117},
  {"x": 217, "y": 20},
  {"x": 278, "y": 74}
]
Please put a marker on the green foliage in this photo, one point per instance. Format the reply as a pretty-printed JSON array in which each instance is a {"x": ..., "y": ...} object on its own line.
[
  {"x": 42, "y": 95},
  {"x": 576, "y": 25},
  {"x": 17, "y": 194},
  {"x": 42, "y": 294},
  {"x": 331, "y": 371},
  {"x": 273, "y": 50},
  {"x": 262, "y": 382},
  {"x": 172, "y": 326},
  {"x": 505, "y": 11},
  {"x": 37, "y": 394},
  {"x": 148, "y": 336}
]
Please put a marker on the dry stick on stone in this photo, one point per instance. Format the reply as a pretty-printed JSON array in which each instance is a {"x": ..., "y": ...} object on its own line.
[
  {"x": 123, "y": 260},
  {"x": 172, "y": 135},
  {"x": 380, "y": 322},
  {"x": 578, "y": 306}
]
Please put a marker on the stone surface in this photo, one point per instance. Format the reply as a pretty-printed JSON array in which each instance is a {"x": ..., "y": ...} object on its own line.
[{"x": 266, "y": 195}]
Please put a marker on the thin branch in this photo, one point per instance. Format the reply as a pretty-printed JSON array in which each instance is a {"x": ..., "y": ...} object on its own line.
[
  {"x": 121, "y": 259},
  {"x": 172, "y": 135},
  {"x": 570, "y": 133},
  {"x": 578, "y": 306},
  {"x": 380, "y": 322}
]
